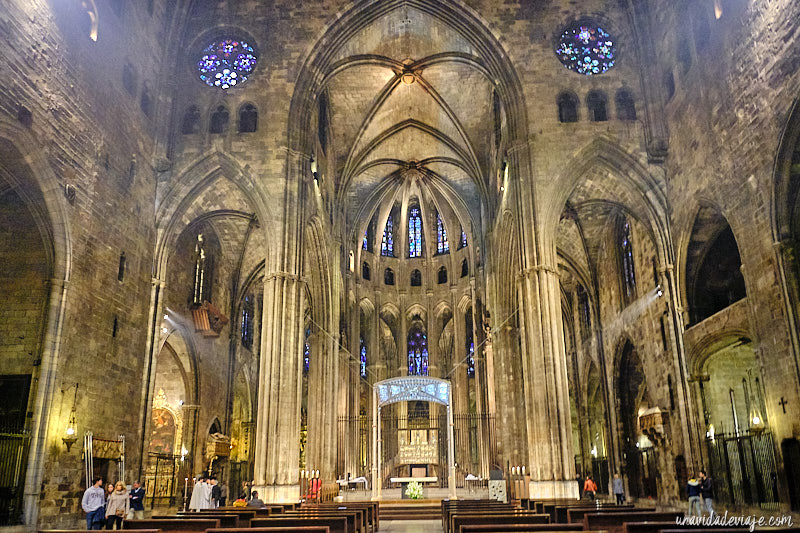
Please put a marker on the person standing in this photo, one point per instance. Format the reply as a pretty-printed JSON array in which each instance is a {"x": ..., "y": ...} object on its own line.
[
  {"x": 707, "y": 491},
  {"x": 215, "y": 492},
  {"x": 619, "y": 489},
  {"x": 198, "y": 495},
  {"x": 137, "y": 501},
  {"x": 223, "y": 494},
  {"x": 589, "y": 488},
  {"x": 93, "y": 504},
  {"x": 693, "y": 491},
  {"x": 117, "y": 507}
]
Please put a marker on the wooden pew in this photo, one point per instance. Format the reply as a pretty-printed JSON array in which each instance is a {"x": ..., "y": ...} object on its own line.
[
  {"x": 244, "y": 514},
  {"x": 337, "y": 524},
  {"x": 356, "y": 518},
  {"x": 449, "y": 507},
  {"x": 229, "y": 520},
  {"x": 576, "y": 514},
  {"x": 371, "y": 509},
  {"x": 510, "y": 528},
  {"x": 655, "y": 527},
  {"x": 614, "y": 522},
  {"x": 93, "y": 530},
  {"x": 305, "y": 529},
  {"x": 518, "y": 517},
  {"x": 172, "y": 526}
]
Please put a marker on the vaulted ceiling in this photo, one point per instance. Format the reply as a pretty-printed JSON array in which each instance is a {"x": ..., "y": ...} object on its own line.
[{"x": 411, "y": 112}]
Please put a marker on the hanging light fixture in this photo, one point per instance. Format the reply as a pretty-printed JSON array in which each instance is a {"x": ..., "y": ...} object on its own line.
[{"x": 70, "y": 433}]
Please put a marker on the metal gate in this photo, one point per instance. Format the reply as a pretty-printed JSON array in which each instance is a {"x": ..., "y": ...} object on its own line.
[
  {"x": 743, "y": 469},
  {"x": 13, "y": 460},
  {"x": 420, "y": 440},
  {"x": 166, "y": 480}
]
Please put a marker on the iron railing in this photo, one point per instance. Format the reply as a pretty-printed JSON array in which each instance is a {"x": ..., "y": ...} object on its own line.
[
  {"x": 744, "y": 470},
  {"x": 13, "y": 461}
]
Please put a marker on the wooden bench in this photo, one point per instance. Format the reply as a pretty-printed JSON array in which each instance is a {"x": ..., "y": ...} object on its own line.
[
  {"x": 574, "y": 515},
  {"x": 356, "y": 518},
  {"x": 337, "y": 524},
  {"x": 509, "y": 528},
  {"x": 655, "y": 527},
  {"x": 225, "y": 520},
  {"x": 370, "y": 508},
  {"x": 450, "y": 507},
  {"x": 519, "y": 517},
  {"x": 614, "y": 522},
  {"x": 91, "y": 531},
  {"x": 170, "y": 526},
  {"x": 306, "y": 529}
]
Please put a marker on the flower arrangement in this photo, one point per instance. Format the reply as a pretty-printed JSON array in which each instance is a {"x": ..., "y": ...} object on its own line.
[{"x": 414, "y": 490}]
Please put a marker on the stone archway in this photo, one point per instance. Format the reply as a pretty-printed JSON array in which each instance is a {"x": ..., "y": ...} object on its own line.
[{"x": 406, "y": 389}]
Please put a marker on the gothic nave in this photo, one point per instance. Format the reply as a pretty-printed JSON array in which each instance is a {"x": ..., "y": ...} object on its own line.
[{"x": 223, "y": 222}]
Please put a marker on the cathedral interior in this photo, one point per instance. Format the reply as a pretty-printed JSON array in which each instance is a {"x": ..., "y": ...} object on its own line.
[{"x": 223, "y": 222}]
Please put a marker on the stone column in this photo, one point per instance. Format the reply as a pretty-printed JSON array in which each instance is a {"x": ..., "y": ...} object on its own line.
[
  {"x": 47, "y": 371},
  {"x": 277, "y": 436},
  {"x": 546, "y": 390}
]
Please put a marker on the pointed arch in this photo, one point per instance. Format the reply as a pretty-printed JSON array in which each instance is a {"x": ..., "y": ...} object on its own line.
[{"x": 193, "y": 181}]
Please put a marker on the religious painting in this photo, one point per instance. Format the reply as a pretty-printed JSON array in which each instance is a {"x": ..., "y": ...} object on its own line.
[{"x": 162, "y": 439}]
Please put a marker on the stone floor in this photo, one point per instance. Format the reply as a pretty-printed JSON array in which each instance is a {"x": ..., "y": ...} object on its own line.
[{"x": 411, "y": 526}]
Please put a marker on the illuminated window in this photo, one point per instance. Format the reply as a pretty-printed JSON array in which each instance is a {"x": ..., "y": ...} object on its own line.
[
  {"x": 226, "y": 63},
  {"x": 627, "y": 261},
  {"x": 387, "y": 242},
  {"x": 442, "y": 244},
  {"x": 417, "y": 352},
  {"x": 363, "y": 358},
  {"x": 586, "y": 48},
  {"x": 414, "y": 232}
]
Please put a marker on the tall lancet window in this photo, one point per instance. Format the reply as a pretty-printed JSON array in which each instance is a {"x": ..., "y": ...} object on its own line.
[
  {"x": 363, "y": 365},
  {"x": 470, "y": 345},
  {"x": 202, "y": 278},
  {"x": 366, "y": 241},
  {"x": 626, "y": 261},
  {"x": 463, "y": 242},
  {"x": 417, "y": 352},
  {"x": 307, "y": 351},
  {"x": 442, "y": 244},
  {"x": 387, "y": 243},
  {"x": 414, "y": 232}
]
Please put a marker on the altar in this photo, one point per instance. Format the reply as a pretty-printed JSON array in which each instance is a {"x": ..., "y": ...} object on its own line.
[{"x": 404, "y": 481}]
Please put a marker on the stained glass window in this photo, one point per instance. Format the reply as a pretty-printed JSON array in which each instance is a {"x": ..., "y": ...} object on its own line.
[
  {"x": 463, "y": 242},
  {"x": 226, "y": 62},
  {"x": 363, "y": 358},
  {"x": 247, "y": 321},
  {"x": 470, "y": 344},
  {"x": 387, "y": 242},
  {"x": 586, "y": 48},
  {"x": 626, "y": 251},
  {"x": 442, "y": 244},
  {"x": 200, "y": 282},
  {"x": 585, "y": 311},
  {"x": 307, "y": 352},
  {"x": 365, "y": 246},
  {"x": 414, "y": 232},
  {"x": 417, "y": 352}
]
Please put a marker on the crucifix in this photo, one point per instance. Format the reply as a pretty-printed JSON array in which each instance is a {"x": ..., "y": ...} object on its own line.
[{"x": 783, "y": 403}]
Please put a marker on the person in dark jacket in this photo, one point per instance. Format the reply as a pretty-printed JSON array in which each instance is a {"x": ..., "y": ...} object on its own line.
[
  {"x": 215, "y": 493},
  {"x": 137, "y": 501},
  {"x": 693, "y": 491},
  {"x": 707, "y": 491},
  {"x": 255, "y": 501}
]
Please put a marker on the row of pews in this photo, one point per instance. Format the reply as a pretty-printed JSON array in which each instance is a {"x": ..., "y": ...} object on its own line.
[
  {"x": 552, "y": 516},
  {"x": 350, "y": 517}
]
